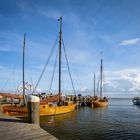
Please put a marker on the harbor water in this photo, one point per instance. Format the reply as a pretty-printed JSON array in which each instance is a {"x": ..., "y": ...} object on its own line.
[{"x": 119, "y": 121}]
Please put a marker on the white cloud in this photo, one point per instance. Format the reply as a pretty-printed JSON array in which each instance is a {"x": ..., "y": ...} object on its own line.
[
  {"x": 124, "y": 80},
  {"x": 2, "y": 67},
  {"x": 130, "y": 42},
  {"x": 54, "y": 14},
  {"x": 7, "y": 44},
  {"x": 3, "y": 49}
]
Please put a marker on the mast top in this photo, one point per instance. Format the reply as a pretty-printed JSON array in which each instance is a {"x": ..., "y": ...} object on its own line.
[
  {"x": 101, "y": 53},
  {"x": 24, "y": 38},
  {"x": 60, "y": 19}
]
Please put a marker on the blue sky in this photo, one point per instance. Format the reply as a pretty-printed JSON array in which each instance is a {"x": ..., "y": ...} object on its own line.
[{"x": 88, "y": 27}]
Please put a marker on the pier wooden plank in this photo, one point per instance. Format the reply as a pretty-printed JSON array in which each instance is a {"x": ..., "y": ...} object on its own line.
[{"x": 12, "y": 128}]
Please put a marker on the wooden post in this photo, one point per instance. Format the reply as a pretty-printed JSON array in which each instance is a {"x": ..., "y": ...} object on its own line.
[{"x": 33, "y": 109}]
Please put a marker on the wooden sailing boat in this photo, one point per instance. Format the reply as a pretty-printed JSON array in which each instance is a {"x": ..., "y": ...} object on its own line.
[
  {"x": 45, "y": 108},
  {"x": 102, "y": 101},
  {"x": 19, "y": 109},
  {"x": 61, "y": 107},
  {"x": 94, "y": 98}
]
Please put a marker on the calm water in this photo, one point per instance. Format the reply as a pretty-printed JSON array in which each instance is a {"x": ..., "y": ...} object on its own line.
[{"x": 119, "y": 121}]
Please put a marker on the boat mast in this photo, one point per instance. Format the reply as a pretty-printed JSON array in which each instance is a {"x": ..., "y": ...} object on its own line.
[
  {"x": 23, "y": 69},
  {"x": 60, "y": 44},
  {"x": 94, "y": 84},
  {"x": 101, "y": 74}
]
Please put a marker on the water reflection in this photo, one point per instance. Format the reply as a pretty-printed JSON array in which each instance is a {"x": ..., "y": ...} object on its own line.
[
  {"x": 57, "y": 119},
  {"x": 120, "y": 120}
]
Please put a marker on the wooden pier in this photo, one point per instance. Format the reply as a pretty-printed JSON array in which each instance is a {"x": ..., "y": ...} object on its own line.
[{"x": 12, "y": 128}]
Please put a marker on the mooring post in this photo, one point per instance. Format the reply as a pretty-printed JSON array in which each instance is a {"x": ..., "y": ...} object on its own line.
[{"x": 33, "y": 109}]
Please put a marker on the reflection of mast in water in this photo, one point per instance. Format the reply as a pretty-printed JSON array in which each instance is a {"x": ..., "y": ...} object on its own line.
[
  {"x": 58, "y": 119},
  {"x": 51, "y": 120}
]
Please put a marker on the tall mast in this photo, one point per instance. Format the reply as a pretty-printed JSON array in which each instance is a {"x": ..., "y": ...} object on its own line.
[
  {"x": 23, "y": 69},
  {"x": 94, "y": 84},
  {"x": 101, "y": 74},
  {"x": 60, "y": 44}
]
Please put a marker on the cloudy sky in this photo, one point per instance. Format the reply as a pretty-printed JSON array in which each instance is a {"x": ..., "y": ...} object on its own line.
[{"x": 91, "y": 26}]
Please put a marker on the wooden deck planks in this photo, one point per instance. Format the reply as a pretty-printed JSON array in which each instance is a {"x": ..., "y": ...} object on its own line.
[{"x": 12, "y": 128}]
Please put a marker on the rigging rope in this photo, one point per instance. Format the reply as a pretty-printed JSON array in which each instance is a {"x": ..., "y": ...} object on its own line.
[
  {"x": 9, "y": 78},
  {"x": 104, "y": 82},
  {"x": 46, "y": 64},
  {"x": 53, "y": 73},
  {"x": 98, "y": 86},
  {"x": 68, "y": 67},
  {"x": 6, "y": 82}
]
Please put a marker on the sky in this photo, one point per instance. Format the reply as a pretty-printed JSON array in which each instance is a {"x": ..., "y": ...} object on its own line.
[{"x": 89, "y": 27}]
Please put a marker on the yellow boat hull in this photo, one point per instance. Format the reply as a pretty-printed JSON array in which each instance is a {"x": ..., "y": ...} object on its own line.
[
  {"x": 55, "y": 110},
  {"x": 100, "y": 103},
  {"x": 45, "y": 110}
]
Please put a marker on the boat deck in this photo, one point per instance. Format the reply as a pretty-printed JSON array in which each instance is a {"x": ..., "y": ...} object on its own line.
[{"x": 12, "y": 128}]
